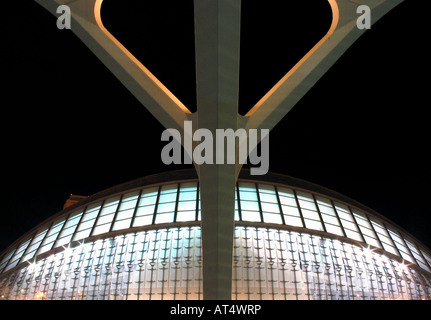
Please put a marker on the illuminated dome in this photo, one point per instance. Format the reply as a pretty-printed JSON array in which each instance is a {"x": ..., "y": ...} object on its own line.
[{"x": 142, "y": 240}]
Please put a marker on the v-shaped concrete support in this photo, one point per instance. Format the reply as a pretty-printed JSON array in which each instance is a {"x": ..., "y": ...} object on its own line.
[{"x": 217, "y": 35}]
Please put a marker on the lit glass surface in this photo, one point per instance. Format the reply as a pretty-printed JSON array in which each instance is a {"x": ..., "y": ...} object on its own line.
[
  {"x": 315, "y": 216},
  {"x": 166, "y": 264}
]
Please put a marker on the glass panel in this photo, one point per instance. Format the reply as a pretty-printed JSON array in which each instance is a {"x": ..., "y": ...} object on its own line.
[
  {"x": 293, "y": 211},
  {"x": 272, "y": 218},
  {"x": 101, "y": 229},
  {"x": 122, "y": 224},
  {"x": 288, "y": 201},
  {"x": 186, "y": 216},
  {"x": 312, "y": 224},
  {"x": 270, "y": 207},
  {"x": 187, "y": 205},
  {"x": 143, "y": 211},
  {"x": 249, "y": 205},
  {"x": 145, "y": 201},
  {"x": 333, "y": 229},
  {"x": 352, "y": 235},
  {"x": 310, "y": 214},
  {"x": 164, "y": 217},
  {"x": 250, "y": 216},
  {"x": 330, "y": 219},
  {"x": 265, "y": 197},
  {"x": 247, "y": 195},
  {"x": 188, "y": 195},
  {"x": 143, "y": 221},
  {"x": 166, "y": 207},
  {"x": 293, "y": 221},
  {"x": 169, "y": 197},
  {"x": 126, "y": 214}
]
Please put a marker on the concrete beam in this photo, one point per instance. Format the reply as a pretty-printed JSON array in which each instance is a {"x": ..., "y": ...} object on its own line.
[{"x": 217, "y": 44}]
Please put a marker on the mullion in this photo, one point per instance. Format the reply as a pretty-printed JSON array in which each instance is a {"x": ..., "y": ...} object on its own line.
[
  {"x": 156, "y": 206},
  {"x": 338, "y": 219},
  {"x": 135, "y": 210},
  {"x": 357, "y": 224},
  {"x": 279, "y": 205},
  {"x": 197, "y": 202},
  {"x": 176, "y": 202},
  {"x": 97, "y": 218},
  {"x": 374, "y": 230},
  {"x": 319, "y": 213},
  {"x": 116, "y": 213},
  {"x": 238, "y": 202},
  {"x": 258, "y": 202},
  {"x": 299, "y": 207}
]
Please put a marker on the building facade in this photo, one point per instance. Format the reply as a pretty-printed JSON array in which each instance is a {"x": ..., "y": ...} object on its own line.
[{"x": 141, "y": 240}]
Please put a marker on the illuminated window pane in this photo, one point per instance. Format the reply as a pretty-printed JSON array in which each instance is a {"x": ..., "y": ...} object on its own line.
[
  {"x": 249, "y": 205},
  {"x": 166, "y": 207},
  {"x": 289, "y": 201},
  {"x": 293, "y": 221},
  {"x": 127, "y": 204},
  {"x": 123, "y": 224},
  {"x": 270, "y": 207},
  {"x": 352, "y": 234},
  {"x": 248, "y": 195},
  {"x": 310, "y": 214},
  {"x": 82, "y": 234},
  {"x": 330, "y": 219},
  {"x": 105, "y": 219},
  {"x": 186, "y": 215},
  {"x": 169, "y": 197},
  {"x": 126, "y": 214},
  {"x": 143, "y": 211},
  {"x": 187, "y": 205},
  {"x": 349, "y": 225},
  {"x": 101, "y": 229},
  {"x": 164, "y": 217},
  {"x": 86, "y": 225},
  {"x": 143, "y": 221},
  {"x": 187, "y": 196},
  {"x": 265, "y": 197},
  {"x": 91, "y": 213},
  {"x": 292, "y": 211},
  {"x": 272, "y": 218},
  {"x": 145, "y": 201},
  {"x": 250, "y": 216},
  {"x": 343, "y": 212},
  {"x": 333, "y": 229},
  {"x": 371, "y": 241},
  {"x": 312, "y": 224}
]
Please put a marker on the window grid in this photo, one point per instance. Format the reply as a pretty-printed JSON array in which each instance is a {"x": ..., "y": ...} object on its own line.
[
  {"x": 132, "y": 222},
  {"x": 255, "y": 202},
  {"x": 166, "y": 264},
  {"x": 51, "y": 236},
  {"x": 69, "y": 228}
]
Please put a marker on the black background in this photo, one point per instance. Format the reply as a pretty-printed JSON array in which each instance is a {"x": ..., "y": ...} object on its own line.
[{"x": 69, "y": 126}]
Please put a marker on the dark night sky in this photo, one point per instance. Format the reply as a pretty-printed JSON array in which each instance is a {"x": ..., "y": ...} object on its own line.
[{"x": 69, "y": 126}]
